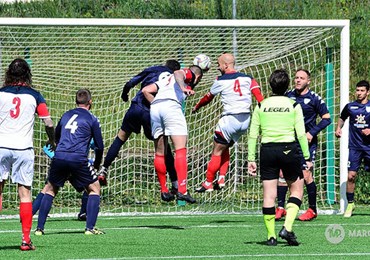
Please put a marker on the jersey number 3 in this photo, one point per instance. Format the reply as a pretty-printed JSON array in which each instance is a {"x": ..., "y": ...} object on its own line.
[
  {"x": 237, "y": 87},
  {"x": 14, "y": 113},
  {"x": 72, "y": 124}
]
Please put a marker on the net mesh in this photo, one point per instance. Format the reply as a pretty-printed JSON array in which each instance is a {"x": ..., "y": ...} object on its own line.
[{"x": 103, "y": 58}]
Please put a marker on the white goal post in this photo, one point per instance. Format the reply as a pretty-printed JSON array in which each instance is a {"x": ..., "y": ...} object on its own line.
[{"x": 103, "y": 54}]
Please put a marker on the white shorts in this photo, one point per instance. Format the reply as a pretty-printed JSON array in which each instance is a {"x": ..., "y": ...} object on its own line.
[
  {"x": 20, "y": 162},
  {"x": 233, "y": 127},
  {"x": 167, "y": 119}
]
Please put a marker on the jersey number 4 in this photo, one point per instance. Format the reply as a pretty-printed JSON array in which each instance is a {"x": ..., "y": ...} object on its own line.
[
  {"x": 72, "y": 124},
  {"x": 237, "y": 87}
]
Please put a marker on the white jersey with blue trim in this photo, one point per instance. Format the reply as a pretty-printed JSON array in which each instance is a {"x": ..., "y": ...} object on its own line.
[
  {"x": 235, "y": 90},
  {"x": 18, "y": 105}
]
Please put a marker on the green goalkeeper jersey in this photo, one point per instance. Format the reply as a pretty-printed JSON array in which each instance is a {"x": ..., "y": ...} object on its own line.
[{"x": 279, "y": 119}]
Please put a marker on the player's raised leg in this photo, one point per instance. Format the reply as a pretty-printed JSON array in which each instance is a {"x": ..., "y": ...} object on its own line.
[
  {"x": 181, "y": 166},
  {"x": 160, "y": 167}
]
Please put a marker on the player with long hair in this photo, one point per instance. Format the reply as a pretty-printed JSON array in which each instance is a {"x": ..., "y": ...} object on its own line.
[{"x": 18, "y": 104}]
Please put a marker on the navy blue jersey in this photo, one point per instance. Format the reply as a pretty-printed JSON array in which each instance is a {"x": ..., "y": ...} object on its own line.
[
  {"x": 312, "y": 106},
  {"x": 146, "y": 77},
  {"x": 359, "y": 119},
  {"x": 73, "y": 135}
]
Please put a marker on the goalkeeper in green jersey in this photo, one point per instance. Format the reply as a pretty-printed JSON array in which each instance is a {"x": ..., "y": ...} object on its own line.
[{"x": 279, "y": 121}]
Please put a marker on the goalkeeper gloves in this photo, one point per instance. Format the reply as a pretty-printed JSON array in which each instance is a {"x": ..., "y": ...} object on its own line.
[{"x": 48, "y": 150}]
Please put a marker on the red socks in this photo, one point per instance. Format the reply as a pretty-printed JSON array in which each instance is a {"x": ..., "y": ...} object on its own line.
[
  {"x": 225, "y": 161},
  {"x": 25, "y": 213},
  {"x": 181, "y": 166},
  {"x": 160, "y": 168},
  {"x": 213, "y": 166}
]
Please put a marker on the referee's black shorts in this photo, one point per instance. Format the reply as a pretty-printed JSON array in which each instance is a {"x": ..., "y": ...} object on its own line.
[{"x": 284, "y": 156}]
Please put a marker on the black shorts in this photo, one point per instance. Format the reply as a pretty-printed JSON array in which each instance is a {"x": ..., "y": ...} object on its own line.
[
  {"x": 284, "y": 156},
  {"x": 78, "y": 173},
  {"x": 135, "y": 118}
]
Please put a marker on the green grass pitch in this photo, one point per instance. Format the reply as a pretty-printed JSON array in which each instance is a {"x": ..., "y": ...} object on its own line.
[{"x": 190, "y": 237}]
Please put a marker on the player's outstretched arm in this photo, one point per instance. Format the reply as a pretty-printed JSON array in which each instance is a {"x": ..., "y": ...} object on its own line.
[{"x": 203, "y": 102}]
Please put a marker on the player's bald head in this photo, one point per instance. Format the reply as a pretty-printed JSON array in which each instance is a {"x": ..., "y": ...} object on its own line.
[
  {"x": 226, "y": 62},
  {"x": 227, "y": 58}
]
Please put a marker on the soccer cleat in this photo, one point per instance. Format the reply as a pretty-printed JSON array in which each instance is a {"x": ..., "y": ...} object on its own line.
[
  {"x": 173, "y": 190},
  {"x": 81, "y": 216},
  {"x": 39, "y": 232},
  {"x": 308, "y": 215},
  {"x": 204, "y": 188},
  {"x": 27, "y": 246},
  {"x": 167, "y": 196},
  {"x": 289, "y": 237},
  {"x": 94, "y": 231},
  {"x": 221, "y": 181},
  {"x": 185, "y": 197},
  {"x": 280, "y": 212},
  {"x": 271, "y": 242},
  {"x": 349, "y": 210}
]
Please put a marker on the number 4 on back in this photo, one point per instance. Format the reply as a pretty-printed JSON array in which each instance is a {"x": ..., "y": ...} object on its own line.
[{"x": 72, "y": 124}]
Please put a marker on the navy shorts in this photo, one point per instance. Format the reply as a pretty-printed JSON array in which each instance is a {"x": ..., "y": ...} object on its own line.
[
  {"x": 312, "y": 147},
  {"x": 135, "y": 118},
  {"x": 355, "y": 158},
  {"x": 284, "y": 156},
  {"x": 78, "y": 174}
]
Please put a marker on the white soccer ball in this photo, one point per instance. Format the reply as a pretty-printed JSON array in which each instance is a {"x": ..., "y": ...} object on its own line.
[{"x": 203, "y": 61}]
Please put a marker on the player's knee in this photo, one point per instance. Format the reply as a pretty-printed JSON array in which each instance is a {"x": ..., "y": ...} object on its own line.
[
  {"x": 351, "y": 177},
  {"x": 94, "y": 188}
]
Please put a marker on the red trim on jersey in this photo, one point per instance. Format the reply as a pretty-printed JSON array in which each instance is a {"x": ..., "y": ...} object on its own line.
[
  {"x": 188, "y": 75},
  {"x": 256, "y": 91},
  {"x": 205, "y": 100},
  {"x": 42, "y": 110}
]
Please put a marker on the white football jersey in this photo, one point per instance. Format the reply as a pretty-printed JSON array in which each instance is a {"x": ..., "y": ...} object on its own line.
[
  {"x": 18, "y": 105},
  {"x": 168, "y": 89},
  {"x": 235, "y": 90}
]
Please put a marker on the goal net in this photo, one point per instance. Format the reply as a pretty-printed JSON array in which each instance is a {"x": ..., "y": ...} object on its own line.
[{"x": 68, "y": 54}]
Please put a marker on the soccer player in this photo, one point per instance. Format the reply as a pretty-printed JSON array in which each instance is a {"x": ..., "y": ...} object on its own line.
[
  {"x": 358, "y": 113},
  {"x": 312, "y": 106},
  {"x": 235, "y": 89},
  {"x": 138, "y": 115},
  {"x": 18, "y": 103},
  {"x": 167, "y": 120},
  {"x": 37, "y": 201},
  {"x": 73, "y": 135},
  {"x": 280, "y": 120}
]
